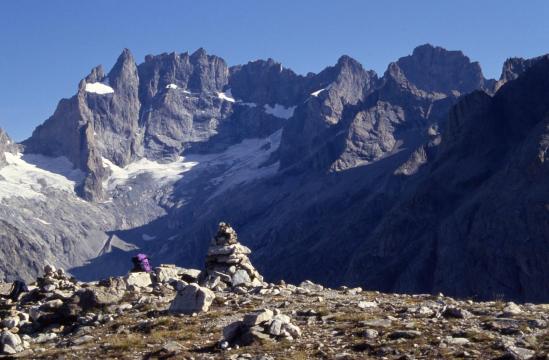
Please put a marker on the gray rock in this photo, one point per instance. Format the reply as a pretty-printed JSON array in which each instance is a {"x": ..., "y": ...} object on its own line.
[
  {"x": 172, "y": 347},
  {"x": 454, "y": 312},
  {"x": 139, "y": 279},
  {"x": 192, "y": 299},
  {"x": 240, "y": 277},
  {"x": 404, "y": 334},
  {"x": 258, "y": 317},
  {"x": 10, "y": 343},
  {"x": 371, "y": 334}
]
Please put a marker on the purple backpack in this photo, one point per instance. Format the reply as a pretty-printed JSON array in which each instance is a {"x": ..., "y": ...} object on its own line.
[{"x": 141, "y": 263}]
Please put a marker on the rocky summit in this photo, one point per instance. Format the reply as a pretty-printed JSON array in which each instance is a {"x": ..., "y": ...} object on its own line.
[
  {"x": 426, "y": 178},
  {"x": 168, "y": 314}
]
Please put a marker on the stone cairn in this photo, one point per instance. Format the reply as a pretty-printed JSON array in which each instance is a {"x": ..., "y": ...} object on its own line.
[{"x": 227, "y": 263}]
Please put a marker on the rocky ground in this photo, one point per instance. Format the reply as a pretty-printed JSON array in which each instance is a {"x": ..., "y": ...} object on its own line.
[{"x": 171, "y": 313}]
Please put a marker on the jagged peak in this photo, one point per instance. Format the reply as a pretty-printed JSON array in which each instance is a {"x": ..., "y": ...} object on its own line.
[
  {"x": 199, "y": 53},
  {"x": 436, "y": 69},
  {"x": 96, "y": 74},
  {"x": 346, "y": 60}
]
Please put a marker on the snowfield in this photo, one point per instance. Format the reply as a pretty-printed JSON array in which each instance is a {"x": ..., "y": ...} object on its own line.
[
  {"x": 162, "y": 173},
  {"x": 99, "y": 88},
  {"x": 240, "y": 163},
  {"x": 30, "y": 175}
]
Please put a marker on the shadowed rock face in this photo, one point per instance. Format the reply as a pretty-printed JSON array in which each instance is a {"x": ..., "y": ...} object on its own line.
[
  {"x": 477, "y": 221},
  {"x": 402, "y": 182}
]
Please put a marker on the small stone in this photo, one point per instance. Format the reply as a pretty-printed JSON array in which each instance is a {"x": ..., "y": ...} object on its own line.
[
  {"x": 45, "y": 337},
  {"x": 404, "y": 334},
  {"x": 456, "y": 340},
  {"x": 10, "y": 322},
  {"x": 172, "y": 347},
  {"x": 454, "y": 312},
  {"x": 311, "y": 286},
  {"x": 83, "y": 339},
  {"x": 258, "y": 317},
  {"x": 276, "y": 328},
  {"x": 367, "y": 304},
  {"x": 371, "y": 334},
  {"x": 511, "y": 309}
]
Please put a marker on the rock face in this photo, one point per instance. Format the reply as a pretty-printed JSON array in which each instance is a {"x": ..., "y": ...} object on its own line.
[
  {"x": 227, "y": 262},
  {"x": 500, "y": 144},
  {"x": 6, "y": 146},
  {"x": 192, "y": 299}
]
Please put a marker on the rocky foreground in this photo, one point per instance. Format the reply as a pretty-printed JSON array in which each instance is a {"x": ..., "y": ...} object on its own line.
[{"x": 229, "y": 312}]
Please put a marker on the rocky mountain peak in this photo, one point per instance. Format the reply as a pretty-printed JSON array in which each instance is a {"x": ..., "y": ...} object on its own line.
[
  {"x": 435, "y": 69},
  {"x": 97, "y": 74},
  {"x": 266, "y": 82},
  {"x": 200, "y": 53},
  {"x": 123, "y": 76},
  {"x": 6, "y": 145}
]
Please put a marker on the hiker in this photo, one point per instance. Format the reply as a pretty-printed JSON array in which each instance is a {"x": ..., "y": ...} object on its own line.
[{"x": 141, "y": 263}]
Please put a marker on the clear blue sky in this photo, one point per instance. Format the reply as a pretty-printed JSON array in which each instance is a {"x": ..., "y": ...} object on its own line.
[{"x": 47, "y": 46}]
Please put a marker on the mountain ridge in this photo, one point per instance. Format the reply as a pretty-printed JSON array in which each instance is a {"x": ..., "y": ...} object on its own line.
[{"x": 311, "y": 169}]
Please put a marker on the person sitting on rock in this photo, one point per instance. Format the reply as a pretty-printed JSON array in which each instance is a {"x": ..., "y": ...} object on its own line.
[{"x": 141, "y": 263}]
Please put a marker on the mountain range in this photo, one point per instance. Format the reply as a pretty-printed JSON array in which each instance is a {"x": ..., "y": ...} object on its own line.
[{"x": 429, "y": 178}]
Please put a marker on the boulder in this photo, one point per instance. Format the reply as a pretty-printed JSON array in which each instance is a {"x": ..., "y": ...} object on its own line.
[
  {"x": 258, "y": 317},
  {"x": 139, "y": 279},
  {"x": 10, "y": 343},
  {"x": 192, "y": 299}
]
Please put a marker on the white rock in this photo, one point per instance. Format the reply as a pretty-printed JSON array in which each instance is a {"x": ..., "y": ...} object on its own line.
[
  {"x": 311, "y": 286},
  {"x": 456, "y": 341},
  {"x": 367, "y": 304},
  {"x": 511, "y": 309},
  {"x": 45, "y": 337},
  {"x": 139, "y": 279}
]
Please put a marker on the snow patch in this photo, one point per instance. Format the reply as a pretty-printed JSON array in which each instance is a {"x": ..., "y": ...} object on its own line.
[
  {"x": 316, "y": 93},
  {"x": 171, "y": 86},
  {"x": 227, "y": 96},
  {"x": 42, "y": 221},
  {"x": 162, "y": 173},
  {"x": 279, "y": 111},
  {"x": 245, "y": 162},
  {"x": 99, "y": 88},
  {"x": 248, "y": 104},
  {"x": 31, "y": 175}
]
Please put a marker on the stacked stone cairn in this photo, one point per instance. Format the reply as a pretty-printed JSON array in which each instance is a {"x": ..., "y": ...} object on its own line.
[
  {"x": 227, "y": 263},
  {"x": 262, "y": 325}
]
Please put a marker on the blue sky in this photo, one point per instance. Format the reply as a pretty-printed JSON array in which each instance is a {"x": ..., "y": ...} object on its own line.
[{"x": 48, "y": 46}]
